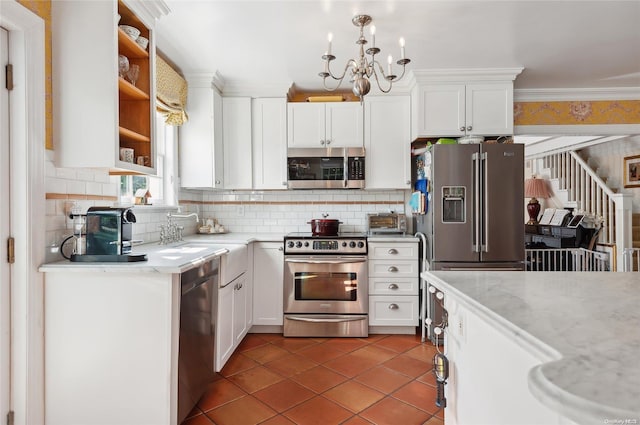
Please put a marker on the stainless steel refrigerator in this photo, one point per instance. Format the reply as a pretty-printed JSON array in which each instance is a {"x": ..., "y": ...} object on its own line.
[{"x": 475, "y": 210}]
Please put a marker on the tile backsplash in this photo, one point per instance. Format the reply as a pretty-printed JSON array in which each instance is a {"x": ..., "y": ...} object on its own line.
[{"x": 276, "y": 212}]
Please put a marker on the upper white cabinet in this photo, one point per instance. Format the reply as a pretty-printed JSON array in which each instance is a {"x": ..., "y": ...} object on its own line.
[
  {"x": 325, "y": 125},
  {"x": 459, "y": 109},
  {"x": 387, "y": 141},
  {"x": 97, "y": 112},
  {"x": 269, "y": 118},
  {"x": 456, "y": 103},
  {"x": 201, "y": 147},
  {"x": 236, "y": 136}
]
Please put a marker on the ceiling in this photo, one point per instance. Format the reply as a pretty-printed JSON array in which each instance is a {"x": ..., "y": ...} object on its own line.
[{"x": 560, "y": 44}]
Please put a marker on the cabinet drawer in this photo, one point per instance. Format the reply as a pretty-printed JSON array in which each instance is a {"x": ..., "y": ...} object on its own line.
[
  {"x": 393, "y": 286},
  {"x": 393, "y": 311},
  {"x": 399, "y": 250},
  {"x": 391, "y": 268}
]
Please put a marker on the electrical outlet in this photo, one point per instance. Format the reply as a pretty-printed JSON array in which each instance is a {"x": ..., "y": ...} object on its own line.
[{"x": 240, "y": 211}]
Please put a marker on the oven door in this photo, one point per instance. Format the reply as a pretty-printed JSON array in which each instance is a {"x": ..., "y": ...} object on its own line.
[{"x": 326, "y": 285}]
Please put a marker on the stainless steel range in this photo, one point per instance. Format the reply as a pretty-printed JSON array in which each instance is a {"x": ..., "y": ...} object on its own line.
[{"x": 326, "y": 285}]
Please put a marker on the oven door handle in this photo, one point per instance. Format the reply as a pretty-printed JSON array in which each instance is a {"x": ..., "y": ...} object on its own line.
[
  {"x": 326, "y": 261},
  {"x": 337, "y": 319}
]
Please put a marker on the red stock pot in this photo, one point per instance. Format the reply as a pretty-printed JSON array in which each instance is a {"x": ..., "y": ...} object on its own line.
[{"x": 324, "y": 227}]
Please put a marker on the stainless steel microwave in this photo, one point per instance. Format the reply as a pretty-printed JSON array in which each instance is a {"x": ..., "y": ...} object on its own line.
[{"x": 325, "y": 168}]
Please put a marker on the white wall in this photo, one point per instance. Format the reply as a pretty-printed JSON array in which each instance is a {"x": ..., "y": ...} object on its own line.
[{"x": 607, "y": 159}]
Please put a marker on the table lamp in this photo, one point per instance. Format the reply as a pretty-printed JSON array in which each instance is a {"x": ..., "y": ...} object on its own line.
[{"x": 534, "y": 188}]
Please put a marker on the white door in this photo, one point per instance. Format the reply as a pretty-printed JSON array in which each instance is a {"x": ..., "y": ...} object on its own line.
[
  {"x": 305, "y": 125},
  {"x": 489, "y": 109},
  {"x": 387, "y": 138},
  {"x": 441, "y": 110},
  {"x": 5, "y": 275},
  {"x": 344, "y": 124}
]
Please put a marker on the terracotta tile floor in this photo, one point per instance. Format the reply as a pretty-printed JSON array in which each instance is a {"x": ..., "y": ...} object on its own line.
[{"x": 272, "y": 380}]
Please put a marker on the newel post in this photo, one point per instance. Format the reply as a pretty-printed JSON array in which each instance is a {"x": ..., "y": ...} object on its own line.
[{"x": 623, "y": 230}]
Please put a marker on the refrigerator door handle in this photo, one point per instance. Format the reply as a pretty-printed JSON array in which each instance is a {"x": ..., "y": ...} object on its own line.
[
  {"x": 476, "y": 193},
  {"x": 485, "y": 215}
]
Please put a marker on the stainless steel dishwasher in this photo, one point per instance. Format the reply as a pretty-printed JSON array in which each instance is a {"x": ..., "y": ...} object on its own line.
[{"x": 198, "y": 311}]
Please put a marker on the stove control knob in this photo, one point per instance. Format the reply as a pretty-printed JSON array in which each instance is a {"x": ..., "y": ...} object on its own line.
[
  {"x": 306, "y": 244},
  {"x": 352, "y": 244},
  {"x": 344, "y": 244},
  {"x": 360, "y": 244},
  {"x": 289, "y": 244},
  {"x": 298, "y": 244}
]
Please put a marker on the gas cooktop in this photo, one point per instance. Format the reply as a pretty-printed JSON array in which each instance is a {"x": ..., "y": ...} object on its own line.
[{"x": 309, "y": 235}]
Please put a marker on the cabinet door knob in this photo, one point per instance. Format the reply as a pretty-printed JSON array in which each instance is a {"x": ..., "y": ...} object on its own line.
[
  {"x": 462, "y": 128},
  {"x": 281, "y": 249},
  {"x": 393, "y": 251},
  {"x": 328, "y": 142},
  {"x": 469, "y": 128},
  {"x": 322, "y": 142},
  {"x": 393, "y": 306},
  {"x": 392, "y": 269},
  {"x": 393, "y": 286},
  {"x": 217, "y": 181},
  {"x": 284, "y": 183},
  {"x": 408, "y": 182}
]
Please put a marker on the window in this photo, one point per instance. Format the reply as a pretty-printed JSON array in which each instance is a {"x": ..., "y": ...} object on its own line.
[{"x": 161, "y": 186}]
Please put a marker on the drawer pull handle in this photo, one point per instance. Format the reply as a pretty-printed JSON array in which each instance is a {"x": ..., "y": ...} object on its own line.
[
  {"x": 392, "y": 269},
  {"x": 393, "y": 306},
  {"x": 393, "y": 286},
  {"x": 393, "y": 251}
]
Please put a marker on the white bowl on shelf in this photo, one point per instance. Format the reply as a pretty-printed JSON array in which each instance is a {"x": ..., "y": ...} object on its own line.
[
  {"x": 132, "y": 32},
  {"x": 142, "y": 42}
]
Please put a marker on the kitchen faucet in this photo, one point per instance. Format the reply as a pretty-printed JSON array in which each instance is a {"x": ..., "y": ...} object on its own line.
[{"x": 171, "y": 232}]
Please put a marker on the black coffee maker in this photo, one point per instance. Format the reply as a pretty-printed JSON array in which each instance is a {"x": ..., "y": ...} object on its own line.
[{"x": 109, "y": 232}]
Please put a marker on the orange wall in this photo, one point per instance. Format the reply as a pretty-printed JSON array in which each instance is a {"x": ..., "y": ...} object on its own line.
[
  {"x": 42, "y": 8},
  {"x": 576, "y": 113}
]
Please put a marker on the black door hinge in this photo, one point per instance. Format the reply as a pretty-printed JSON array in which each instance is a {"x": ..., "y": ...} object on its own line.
[{"x": 9, "y": 77}]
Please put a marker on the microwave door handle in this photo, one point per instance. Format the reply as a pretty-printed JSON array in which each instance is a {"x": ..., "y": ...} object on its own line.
[
  {"x": 345, "y": 174},
  {"x": 485, "y": 218},
  {"x": 476, "y": 192}
]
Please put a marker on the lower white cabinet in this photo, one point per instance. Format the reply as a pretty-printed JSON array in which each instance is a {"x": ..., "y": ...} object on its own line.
[
  {"x": 268, "y": 267},
  {"x": 393, "y": 283},
  {"x": 234, "y": 318},
  {"x": 224, "y": 326}
]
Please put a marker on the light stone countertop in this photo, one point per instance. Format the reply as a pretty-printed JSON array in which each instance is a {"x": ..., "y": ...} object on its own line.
[
  {"x": 588, "y": 324},
  {"x": 171, "y": 258}
]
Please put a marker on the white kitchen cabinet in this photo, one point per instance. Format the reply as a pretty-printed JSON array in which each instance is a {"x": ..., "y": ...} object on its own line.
[
  {"x": 95, "y": 111},
  {"x": 269, "y": 118},
  {"x": 241, "y": 308},
  {"x": 387, "y": 141},
  {"x": 201, "y": 147},
  {"x": 225, "y": 338},
  {"x": 457, "y": 110},
  {"x": 236, "y": 136},
  {"x": 330, "y": 124},
  {"x": 268, "y": 267},
  {"x": 393, "y": 284}
]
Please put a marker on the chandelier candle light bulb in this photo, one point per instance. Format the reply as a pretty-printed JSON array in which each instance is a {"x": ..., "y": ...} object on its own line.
[
  {"x": 330, "y": 38},
  {"x": 401, "y": 47},
  {"x": 389, "y": 60},
  {"x": 373, "y": 36}
]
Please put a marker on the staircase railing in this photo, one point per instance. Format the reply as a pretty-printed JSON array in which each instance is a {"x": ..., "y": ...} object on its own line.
[
  {"x": 631, "y": 260},
  {"x": 567, "y": 259},
  {"x": 585, "y": 187},
  {"x": 593, "y": 196}
]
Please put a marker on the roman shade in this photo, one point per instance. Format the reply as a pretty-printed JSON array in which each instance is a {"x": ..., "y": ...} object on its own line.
[{"x": 171, "y": 93}]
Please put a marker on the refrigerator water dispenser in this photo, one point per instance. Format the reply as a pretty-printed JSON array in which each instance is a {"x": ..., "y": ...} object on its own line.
[{"x": 453, "y": 204}]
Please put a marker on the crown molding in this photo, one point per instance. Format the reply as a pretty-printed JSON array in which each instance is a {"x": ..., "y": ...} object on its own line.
[
  {"x": 205, "y": 80},
  {"x": 465, "y": 75},
  {"x": 550, "y": 95},
  {"x": 149, "y": 10}
]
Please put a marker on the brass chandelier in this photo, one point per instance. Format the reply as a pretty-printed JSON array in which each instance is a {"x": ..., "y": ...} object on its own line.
[{"x": 363, "y": 67}]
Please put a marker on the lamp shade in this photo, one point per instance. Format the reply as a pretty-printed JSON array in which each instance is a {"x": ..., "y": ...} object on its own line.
[{"x": 535, "y": 188}]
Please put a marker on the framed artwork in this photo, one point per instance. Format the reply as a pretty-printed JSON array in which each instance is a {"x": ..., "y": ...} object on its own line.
[{"x": 631, "y": 170}]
